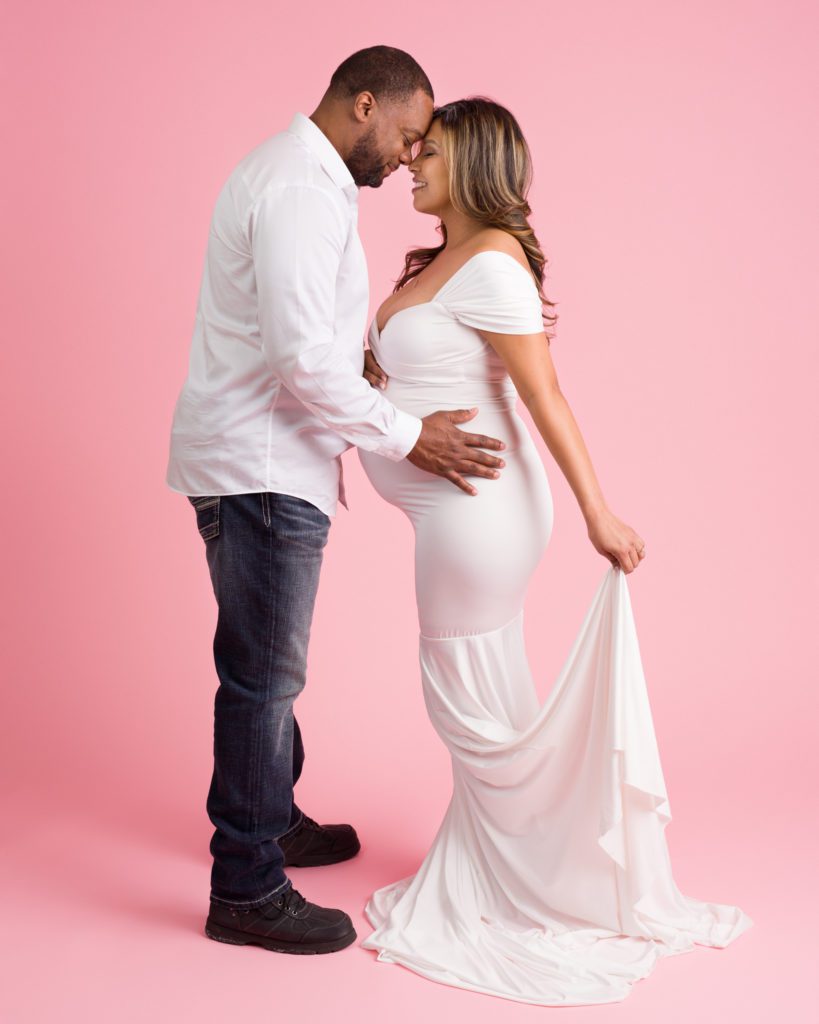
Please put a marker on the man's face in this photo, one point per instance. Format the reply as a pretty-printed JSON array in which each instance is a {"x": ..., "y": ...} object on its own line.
[{"x": 388, "y": 141}]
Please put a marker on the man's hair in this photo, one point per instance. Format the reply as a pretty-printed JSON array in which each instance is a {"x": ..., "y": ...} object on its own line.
[{"x": 391, "y": 75}]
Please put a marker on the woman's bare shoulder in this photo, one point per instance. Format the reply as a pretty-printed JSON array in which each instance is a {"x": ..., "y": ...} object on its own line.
[{"x": 500, "y": 241}]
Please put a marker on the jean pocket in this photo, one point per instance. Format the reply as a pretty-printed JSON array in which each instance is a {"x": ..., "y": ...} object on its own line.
[{"x": 207, "y": 515}]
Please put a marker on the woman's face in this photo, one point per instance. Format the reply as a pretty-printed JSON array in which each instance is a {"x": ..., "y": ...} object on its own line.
[{"x": 430, "y": 192}]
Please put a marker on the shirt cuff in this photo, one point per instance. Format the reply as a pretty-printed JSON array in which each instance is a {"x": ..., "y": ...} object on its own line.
[{"x": 402, "y": 439}]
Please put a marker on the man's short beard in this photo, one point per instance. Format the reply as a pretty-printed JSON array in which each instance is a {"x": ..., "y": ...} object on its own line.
[{"x": 365, "y": 163}]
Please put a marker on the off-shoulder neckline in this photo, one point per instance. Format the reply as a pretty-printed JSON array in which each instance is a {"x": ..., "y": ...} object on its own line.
[{"x": 417, "y": 305}]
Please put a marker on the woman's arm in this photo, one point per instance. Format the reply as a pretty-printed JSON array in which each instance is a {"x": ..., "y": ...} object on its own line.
[{"x": 529, "y": 363}]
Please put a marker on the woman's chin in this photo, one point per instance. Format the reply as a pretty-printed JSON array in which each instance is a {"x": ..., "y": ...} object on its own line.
[{"x": 419, "y": 204}]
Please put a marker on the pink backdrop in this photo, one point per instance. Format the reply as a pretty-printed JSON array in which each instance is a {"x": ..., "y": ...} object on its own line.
[{"x": 675, "y": 161}]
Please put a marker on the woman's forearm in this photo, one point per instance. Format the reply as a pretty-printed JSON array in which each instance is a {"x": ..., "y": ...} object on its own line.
[{"x": 557, "y": 426}]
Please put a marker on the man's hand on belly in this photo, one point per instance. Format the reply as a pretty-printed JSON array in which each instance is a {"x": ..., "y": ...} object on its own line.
[{"x": 442, "y": 448}]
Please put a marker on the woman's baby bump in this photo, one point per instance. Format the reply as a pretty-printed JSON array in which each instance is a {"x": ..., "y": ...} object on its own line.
[{"x": 496, "y": 417}]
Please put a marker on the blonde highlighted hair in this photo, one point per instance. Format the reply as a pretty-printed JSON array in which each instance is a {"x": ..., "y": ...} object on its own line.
[{"x": 490, "y": 171}]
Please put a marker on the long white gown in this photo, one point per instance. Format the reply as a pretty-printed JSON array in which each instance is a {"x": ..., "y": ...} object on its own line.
[{"x": 549, "y": 879}]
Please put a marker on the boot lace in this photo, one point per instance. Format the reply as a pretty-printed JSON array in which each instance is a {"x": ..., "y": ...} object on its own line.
[{"x": 292, "y": 901}]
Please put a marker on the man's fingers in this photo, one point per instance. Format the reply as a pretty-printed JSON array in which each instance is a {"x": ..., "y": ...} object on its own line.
[
  {"x": 484, "y": 458},
  {"x": 373, "y": 369},
  {"x": 475, "y": 469},
  {"x": 482, "y": 441},
  {"x": 459, "y": 481},
  {"x": 462, "y": 415}
]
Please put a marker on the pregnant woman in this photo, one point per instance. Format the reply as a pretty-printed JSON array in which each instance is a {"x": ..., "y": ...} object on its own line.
[{"x": 549, "y": 878}]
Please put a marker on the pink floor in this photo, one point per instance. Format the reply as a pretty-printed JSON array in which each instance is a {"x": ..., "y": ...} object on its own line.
[{"x": 103, "y": 915}]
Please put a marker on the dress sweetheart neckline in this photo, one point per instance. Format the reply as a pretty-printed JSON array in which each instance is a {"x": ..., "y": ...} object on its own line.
[{"x": 430, "y": 302}]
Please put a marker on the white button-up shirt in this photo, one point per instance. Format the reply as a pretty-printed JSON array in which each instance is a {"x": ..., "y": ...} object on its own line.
[{"x": 274, "y": 392}]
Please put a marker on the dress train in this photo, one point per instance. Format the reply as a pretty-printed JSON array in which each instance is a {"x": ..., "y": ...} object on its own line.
[{"x": 564, "y": 807}]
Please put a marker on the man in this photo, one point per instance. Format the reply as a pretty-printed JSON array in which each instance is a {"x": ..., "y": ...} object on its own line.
[{"x": 274, "y": 395}]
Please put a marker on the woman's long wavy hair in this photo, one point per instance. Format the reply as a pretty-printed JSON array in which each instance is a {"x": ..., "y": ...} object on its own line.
[{"x": 490, "y": 171}]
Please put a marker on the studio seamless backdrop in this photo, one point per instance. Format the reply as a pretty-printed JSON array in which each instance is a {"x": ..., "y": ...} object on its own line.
[{"x": 674, "y": 153}]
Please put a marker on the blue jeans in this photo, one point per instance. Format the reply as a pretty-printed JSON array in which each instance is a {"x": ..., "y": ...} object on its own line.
[{"x": 264, "y": 553}]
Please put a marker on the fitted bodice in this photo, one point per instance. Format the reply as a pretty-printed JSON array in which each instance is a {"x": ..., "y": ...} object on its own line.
[{"x": 433, "y": 351}]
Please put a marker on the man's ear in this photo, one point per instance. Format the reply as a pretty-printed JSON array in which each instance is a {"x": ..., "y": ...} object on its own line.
[{"x": 364, "y": 107}]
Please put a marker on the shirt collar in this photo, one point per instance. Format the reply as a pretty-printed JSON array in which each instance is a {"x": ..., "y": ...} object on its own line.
[{"x": 326, "y": 153}]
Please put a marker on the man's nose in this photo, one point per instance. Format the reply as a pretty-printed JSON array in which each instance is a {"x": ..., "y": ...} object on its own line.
[{"x": 406, "y": 157}]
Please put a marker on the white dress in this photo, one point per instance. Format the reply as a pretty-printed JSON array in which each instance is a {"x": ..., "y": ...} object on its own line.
[{"x": 549, "y": 878}]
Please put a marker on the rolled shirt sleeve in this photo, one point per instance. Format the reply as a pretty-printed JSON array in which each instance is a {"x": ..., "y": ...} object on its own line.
[{"x": 298, "y": 236}]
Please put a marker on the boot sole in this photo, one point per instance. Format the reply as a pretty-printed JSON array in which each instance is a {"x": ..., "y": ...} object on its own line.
[
  {"x": 222, "y": 934},
  {"x": 317, "y": 860}
]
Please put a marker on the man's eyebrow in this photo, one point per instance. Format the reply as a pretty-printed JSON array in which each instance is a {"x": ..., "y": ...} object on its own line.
[{"x": 414, "y": 132}]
